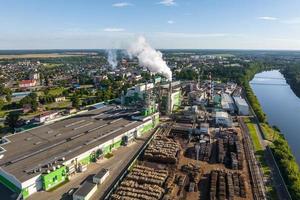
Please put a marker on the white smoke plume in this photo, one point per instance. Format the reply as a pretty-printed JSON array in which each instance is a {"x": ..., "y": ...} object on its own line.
[
  {"x": 149, "y": 57},
  {"x": 112, "y": 58}
]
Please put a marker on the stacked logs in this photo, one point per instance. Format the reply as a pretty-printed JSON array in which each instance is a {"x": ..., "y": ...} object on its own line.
[
  {"x": 162, "y": 150},
  {"x": 142, "y": 174},
  {"x": 194, "y": 174},
  {"x": 142, "y": 183},
  {"x": 213, "y": 185},
  {"x": 205, "y": 151},
  {"x": 225, "y": 185},
  {"x": 230, "y": 188},
  {"x": 230, "y": 150},
  {"x": 221, "y": 152},
  {"x": 222, "y": 186}
]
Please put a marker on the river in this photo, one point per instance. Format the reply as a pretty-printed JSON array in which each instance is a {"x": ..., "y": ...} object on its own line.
[{"x": 280, "y": 104}]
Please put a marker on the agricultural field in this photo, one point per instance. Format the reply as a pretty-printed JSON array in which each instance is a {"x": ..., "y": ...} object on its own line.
[{"x": 51, "y": 55}]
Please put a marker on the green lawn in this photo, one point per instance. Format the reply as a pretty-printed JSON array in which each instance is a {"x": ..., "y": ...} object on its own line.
[
  {"x": 56, "y": 91},
  {"x": 269, "y": 133},
  {"x": 59, "y": 105},
  {"x": 253, "y": 134}
]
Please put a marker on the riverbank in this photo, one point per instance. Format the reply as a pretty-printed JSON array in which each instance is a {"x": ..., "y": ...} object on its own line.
[
  {"x": 279, "y": 146},
  {"x": 291, "y": 75}
]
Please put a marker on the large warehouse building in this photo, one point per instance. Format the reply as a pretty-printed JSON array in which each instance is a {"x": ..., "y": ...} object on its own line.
[{"x": 45, "y": 157}]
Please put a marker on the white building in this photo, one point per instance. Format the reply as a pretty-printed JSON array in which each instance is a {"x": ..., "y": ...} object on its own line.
[
  {"x": 100, "y": 177},
  {"x": 46, "y": 116},
  {"x": 223, "y": 119},
  {"x": 60, "y": 99},
  {"x": 227, "y": 103},
  {"x": 242, "y": 106}
]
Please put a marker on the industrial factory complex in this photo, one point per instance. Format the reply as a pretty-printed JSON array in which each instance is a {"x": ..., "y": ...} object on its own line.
[
  {"x": 44, "y": 157},
  {"x": 197, "y": 146}
]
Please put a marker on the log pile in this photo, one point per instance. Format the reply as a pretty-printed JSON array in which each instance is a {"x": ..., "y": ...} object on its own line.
[
  {"x": 142, "y": 174},
  {"x": 205, "y": 151},
  {"x": 221, "y": 152},
  {"x": 226, "y": 185},
  {"x": 194, "y": 173},
  {"x": 230, "y": 150},
  {"x": 162, "y": 150},
  {"x": 142, "y": 183},
  {"x": 213, "y": 185}
]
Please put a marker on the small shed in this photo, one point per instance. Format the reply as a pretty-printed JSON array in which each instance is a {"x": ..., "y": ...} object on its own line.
[
  {"x": 85, "y": 191},
  {"x": 100, "y": 177}
]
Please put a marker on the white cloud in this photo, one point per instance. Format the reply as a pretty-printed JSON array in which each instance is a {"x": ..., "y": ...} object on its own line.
[
  {"x": 268, "y": 18},
  {"x": 113, "y": 29},
  {"x": 121, "y": 4},
  {"x": 167, "y": 2},
  {"x": 170, "y": 22}
]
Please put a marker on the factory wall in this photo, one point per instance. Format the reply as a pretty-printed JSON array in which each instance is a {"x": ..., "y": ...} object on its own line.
[
  {"x": 176, "y": 101},
  {"x": 54, "y": 178},
  {"x": 32, "y": 185}
]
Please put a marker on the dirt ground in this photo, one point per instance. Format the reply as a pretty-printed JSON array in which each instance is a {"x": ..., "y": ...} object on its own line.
[{"x": 202, "y": 189}]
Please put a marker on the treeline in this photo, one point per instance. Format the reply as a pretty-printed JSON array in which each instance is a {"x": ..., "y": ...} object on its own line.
[
  {"x": 292, "y": 76},
  {"x": 244, "y": 80},
  {"x": 288, "y": 166}
]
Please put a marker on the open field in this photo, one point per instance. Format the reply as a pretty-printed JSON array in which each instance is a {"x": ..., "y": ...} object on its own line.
[{"x": 46, "y": 55}]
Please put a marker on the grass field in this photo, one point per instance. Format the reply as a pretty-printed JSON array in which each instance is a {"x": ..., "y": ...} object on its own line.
[
  {"x": 269, "y": 133},
  {"x": 253, "y": 134},
  {"x": 50, "y": 55},
  {"x": 56, "y": 91},
  {"x": 259, "y": 153}
]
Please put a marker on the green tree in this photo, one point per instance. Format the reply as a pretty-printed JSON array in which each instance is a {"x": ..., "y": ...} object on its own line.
[
  {"x": 1, "y": 104},
  {"x": 8, "y": 97},
  {"x": 75, "y": 101},
  {"x": 12, "y": 119}
]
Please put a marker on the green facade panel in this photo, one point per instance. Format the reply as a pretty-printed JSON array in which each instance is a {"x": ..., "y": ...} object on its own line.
[
  {"x": 54, "y": 178},
  {"x": 25, "y": 193},
  {"x": 106, "y": 149},
  {"x": 87, "y": 160},
  {"x": 117, "y": 144},
  {"x": 146, "y": 128}
]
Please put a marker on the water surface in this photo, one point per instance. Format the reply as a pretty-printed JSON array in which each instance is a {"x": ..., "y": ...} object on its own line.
[{"x": 280, "y": 104}]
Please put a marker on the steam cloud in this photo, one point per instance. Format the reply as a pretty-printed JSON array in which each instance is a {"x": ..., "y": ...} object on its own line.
[
  {"x": 112, "y": 58},
  {"x": 149, "y": 57}
]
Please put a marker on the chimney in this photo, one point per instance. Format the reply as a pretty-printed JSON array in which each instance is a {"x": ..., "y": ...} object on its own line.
[{"x": 169, "y": 109}]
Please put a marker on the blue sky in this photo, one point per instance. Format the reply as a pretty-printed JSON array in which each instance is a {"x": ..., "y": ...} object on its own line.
[{"x": 204, "y": 24}]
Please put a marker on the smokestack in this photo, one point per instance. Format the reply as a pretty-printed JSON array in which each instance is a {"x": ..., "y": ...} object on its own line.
[{"x": 169, "y": 109}]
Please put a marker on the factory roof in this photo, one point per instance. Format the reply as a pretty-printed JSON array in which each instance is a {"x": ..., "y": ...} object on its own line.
[
  {"x": 85, "y": 189},
  {"x": 68, "y": 138},
  {"x": 240, "y": 101},
  {"x": 227, "y": 102},
  {"x": 222, "y": 115},
  {"x": 101, "y": 173}
]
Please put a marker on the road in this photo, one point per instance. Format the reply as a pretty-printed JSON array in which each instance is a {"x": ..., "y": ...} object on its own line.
[
  {"x": 282, "y": 191},
  {"x": 115, "y": 165}
]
